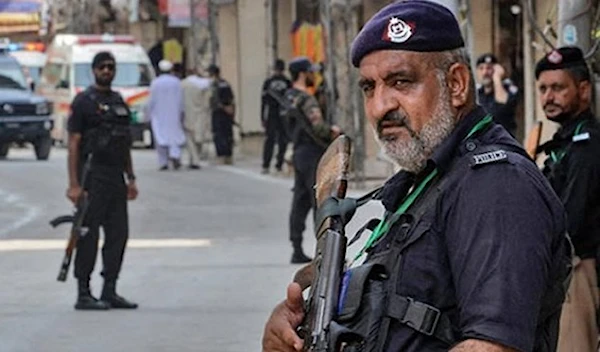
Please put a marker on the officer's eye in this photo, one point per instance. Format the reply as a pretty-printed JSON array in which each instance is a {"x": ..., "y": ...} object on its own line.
[
  {"x": 401, "y": 83},
  {"x": 367, "y": 88}
]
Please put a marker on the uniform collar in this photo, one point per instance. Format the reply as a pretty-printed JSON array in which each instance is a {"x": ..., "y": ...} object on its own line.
[
  {"x": 567, "y": 129},
  {"x": 396, "y": 188},
  {"x": 445, "y": 152}
]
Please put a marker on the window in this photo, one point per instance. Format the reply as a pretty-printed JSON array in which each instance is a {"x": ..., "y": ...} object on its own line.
[
  {"x": 11, "y": 76},
  {"x": 129, "y": 74}
]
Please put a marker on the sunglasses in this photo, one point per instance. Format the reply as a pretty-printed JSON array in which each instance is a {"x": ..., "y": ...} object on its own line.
[{"x": 110, "y": 67}]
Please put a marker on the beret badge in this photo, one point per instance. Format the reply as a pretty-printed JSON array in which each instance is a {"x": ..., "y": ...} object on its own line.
[
  {"x": 397, "y": 31},
  {"x": 555, "y": 57}
]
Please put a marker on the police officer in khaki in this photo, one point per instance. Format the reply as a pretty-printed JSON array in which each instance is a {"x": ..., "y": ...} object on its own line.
[
  {"x": 573, "y": 168},
  {"x": 99, "y": 138}
]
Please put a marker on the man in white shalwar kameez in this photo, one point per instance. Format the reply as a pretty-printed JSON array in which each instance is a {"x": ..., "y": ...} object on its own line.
[
  {"x": 166, "y": 112},
  {"x": 196, "y": 95}
]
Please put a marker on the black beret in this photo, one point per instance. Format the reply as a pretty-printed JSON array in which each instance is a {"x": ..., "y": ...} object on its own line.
[
  {"x": 561, "y": 58},
  {"x": 416, "y": 25},
  {"x": 213, "y": 69},
  {"x": 101, "y": 57},
  {"x": 279, "y": 65},
  {"x": 487, "y": 59},
  {"x": 300, "y": 64}
]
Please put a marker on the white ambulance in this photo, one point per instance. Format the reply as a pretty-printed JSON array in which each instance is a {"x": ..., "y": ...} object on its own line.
[{"x": 68, "y": 71}]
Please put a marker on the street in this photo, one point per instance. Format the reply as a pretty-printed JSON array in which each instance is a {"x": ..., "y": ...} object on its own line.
[{"x": 208, "y": 258}]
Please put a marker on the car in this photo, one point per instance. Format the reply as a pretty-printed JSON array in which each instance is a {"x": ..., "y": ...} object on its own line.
[{"x": 24, "y": 116}]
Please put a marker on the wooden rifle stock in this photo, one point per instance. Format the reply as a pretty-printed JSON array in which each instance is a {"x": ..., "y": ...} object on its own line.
[
  {"x": 324, "y": 274},
  {"x": 533, "y": 140}
]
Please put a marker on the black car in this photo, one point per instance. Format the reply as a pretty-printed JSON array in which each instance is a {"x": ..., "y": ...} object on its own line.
[{"x": 24, "y": 116}]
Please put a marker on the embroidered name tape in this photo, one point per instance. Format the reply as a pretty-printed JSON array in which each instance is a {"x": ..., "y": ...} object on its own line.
[
  {"x": 581, "y": 137},
  {"x": 489, "y": 158}
]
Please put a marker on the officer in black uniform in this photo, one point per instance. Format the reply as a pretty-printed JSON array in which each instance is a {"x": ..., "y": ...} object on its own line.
[
  {"x": 472, "y": 253},
  {"x": 99, "y": 132},
  {"x": 271, "y": 118},
  {"x": 497, "y": 95},
  {"x": 223, "y": 115},
  {"x": 573, "y": 169},
  {"x": 311, "y": 135}
]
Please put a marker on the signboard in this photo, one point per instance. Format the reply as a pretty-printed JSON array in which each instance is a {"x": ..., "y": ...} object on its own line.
[{"x": 179, "y": 12}]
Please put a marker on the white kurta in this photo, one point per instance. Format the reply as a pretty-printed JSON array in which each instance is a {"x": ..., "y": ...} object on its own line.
[
  {"x": 196, "y": 93},
  {"x": 165, "y": 108}
]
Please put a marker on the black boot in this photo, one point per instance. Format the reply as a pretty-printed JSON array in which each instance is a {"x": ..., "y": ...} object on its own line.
[
  {"x": 110, "y": 295},
  {"x": 85, "y": 300},
  {"x": 298, "y": 257}
]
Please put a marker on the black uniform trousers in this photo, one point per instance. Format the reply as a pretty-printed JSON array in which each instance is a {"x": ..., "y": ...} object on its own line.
[
  {"x": 107, "y": 194},
  {"x": 276, "y": 133},
  {"x": 303, "y": 200},
  {"x": 222, "y": 126}
]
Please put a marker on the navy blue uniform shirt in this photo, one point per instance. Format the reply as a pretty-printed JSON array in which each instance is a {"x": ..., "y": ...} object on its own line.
[
  {"x": 574, "y": 173},
  {"x": 486, "y": 249},
  {"x": 270, "y": 108}
]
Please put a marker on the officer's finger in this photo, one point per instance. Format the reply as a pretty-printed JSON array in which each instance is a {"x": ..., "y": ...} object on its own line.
[{"x": 294, "y": 299}]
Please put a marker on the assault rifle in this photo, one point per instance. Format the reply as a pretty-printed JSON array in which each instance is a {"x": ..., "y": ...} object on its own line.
[
  {"x": 326, "y": 270},
  {"x": 76, "y": 220}
]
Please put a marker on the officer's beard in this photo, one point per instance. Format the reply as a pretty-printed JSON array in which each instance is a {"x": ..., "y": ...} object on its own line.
[
  {"x": 103, "y": 82},
  {"x": 412, "y": 154}
]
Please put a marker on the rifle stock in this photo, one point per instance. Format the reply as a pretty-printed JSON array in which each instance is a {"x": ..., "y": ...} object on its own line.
[
  {"x": 76, "y": 220},
  {"x": 533, "y": 140},
  {"x": 326, "y": 270}
]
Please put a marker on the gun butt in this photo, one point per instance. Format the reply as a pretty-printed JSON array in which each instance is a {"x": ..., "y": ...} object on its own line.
[{"x": 64, "y": 268}]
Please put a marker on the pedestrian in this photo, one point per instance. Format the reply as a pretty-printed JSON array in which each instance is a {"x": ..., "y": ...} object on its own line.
[
  {"x": 99, "y": 131},
  {"x": 165, "y": 109},
  {"x": 271, "y": 116},
  {"x": 472, "y": 253},
  {"x": 196, "y": 95},
  {"x": 498, "y": 95},
  {"x": 311, "y": 135},
  {"x": 573, "y": 169},
  {"x": 222, "y": 104}
]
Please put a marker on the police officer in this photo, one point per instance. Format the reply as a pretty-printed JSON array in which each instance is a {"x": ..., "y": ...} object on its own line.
[
  {"x": 99, "y": 132},
  {"x": 573, "y": 169},
  {"x": 223, "y": 115},
  {"x": 497, "y": 95},
  {"x": 271, "y": 118},
  {"x": 471, "y": 254},
  {"x": 311, "y": 135}
]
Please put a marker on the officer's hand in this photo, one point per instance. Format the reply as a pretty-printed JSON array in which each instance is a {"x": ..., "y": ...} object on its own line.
[
  {"x": 498, "y": 72},
  {"x": 132, "y": 191},
  {"x": 74, "y": 193},
  {"x": 336, "y": 131},
  {"x": 280, "y": 330}
]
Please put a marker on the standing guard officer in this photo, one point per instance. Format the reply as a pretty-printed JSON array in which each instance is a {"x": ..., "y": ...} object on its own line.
[
  {"x": 497, "y": 95},
  {"x": 311, "y": 135},
  {"x": 99, "y": 132},
  {"x": 573, "y": 169},
  {"x": 271, "y": 118},
  {"x": 472, "y": 252},
  {"x": 222, "y": 108}
]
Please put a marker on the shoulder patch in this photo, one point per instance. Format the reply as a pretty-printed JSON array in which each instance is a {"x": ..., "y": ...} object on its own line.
[
  {"x": 581, "y": 137},
  {"x": 495, "y": 156}
]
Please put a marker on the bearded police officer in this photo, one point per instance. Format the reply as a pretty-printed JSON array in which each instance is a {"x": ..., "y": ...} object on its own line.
[
  {"x": 573, "y": 169},
  {"x": 472, "y": 253},
  {"x": 99, "y": 135}
]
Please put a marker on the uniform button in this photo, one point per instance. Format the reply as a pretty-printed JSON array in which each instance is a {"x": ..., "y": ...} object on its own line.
[{"x": 471, "y": 146}]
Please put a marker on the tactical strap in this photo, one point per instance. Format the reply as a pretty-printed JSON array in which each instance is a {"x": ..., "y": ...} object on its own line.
[{"x": 422, "y": 317}]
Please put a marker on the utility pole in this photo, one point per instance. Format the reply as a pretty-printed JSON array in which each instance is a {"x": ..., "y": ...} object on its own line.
[
  {"x": 273, "y": 10},
  {"x": 330, "y": 78},
  {"x": 212, "y": 27},
  {"x": 195, "y": 31},
  {"x": 528, "y": 75},
  {"x": 574, "y": 23}
]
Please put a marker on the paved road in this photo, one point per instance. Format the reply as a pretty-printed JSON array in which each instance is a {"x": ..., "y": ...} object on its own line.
[{"x": 208, "y": 259}]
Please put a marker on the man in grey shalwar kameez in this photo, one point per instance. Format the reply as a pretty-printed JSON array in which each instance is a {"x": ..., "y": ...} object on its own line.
[{"x": 166, "y": 112}]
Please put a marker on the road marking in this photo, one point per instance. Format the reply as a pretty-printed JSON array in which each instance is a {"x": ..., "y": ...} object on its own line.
[
  {"x": 138, "y": 243},
  {"x": 254, "y": 174},
  {"x": 15, "y": 201}
]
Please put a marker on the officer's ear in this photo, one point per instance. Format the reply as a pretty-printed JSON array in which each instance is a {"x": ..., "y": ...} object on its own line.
[
  {"x": 459, "y": 83},
  {"x": 585, "y": 90}
]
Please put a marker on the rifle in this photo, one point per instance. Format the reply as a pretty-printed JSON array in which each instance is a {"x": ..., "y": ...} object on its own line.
[
  {"x": 334, "y": 211},
  {"x": 533, "y": 140},
  {"x": 77, "y": 229}
]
